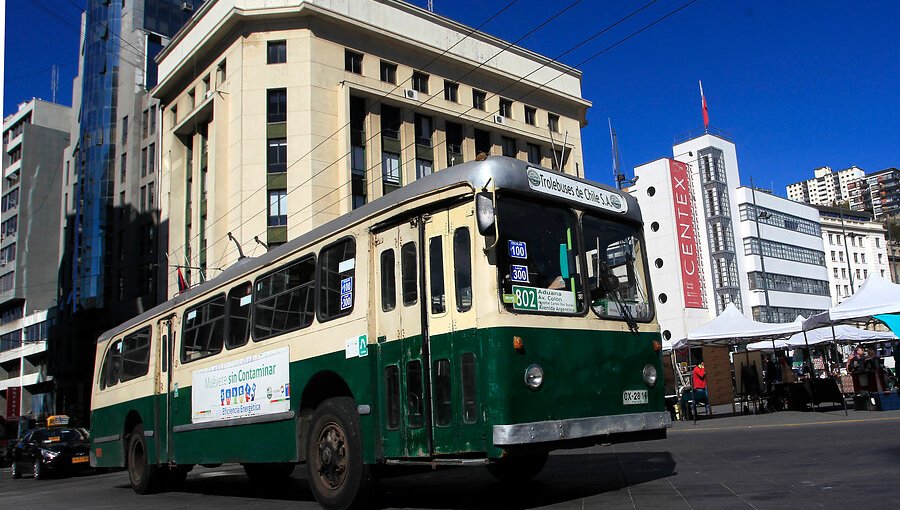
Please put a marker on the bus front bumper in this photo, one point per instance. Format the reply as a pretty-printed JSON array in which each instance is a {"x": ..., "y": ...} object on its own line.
[{"x": 580, "y": 428}]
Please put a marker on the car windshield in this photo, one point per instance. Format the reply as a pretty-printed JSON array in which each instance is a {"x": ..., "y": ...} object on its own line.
[
  {"x": 58, "y": 435},
  {"x": 616, "y": 269},
  {"x": 537, "y": 258}
]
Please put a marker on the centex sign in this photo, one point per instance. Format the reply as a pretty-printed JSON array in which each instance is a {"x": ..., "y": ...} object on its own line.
[{"x": 692, "y": 286}]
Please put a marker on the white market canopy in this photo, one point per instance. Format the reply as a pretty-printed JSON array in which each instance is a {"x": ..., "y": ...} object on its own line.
[
  {"x": 733, "y": 327},
  {"x": 875, "y": 296},
  {"x": 842, "y": 333}
]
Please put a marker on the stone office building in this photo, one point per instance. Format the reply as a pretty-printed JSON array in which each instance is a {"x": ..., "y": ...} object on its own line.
[{"x": 279, "y": 116}]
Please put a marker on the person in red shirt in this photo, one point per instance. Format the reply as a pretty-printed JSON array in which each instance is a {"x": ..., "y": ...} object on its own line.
[
  {"x": 700, "y": 377},
  {"x": 698, "y": 393}
]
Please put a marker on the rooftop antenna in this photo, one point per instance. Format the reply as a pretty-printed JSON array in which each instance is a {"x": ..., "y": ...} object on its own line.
[
  {"x": 621, "y": 180},
  {"x": 430, "y": 5},
  {"x": 54, "y": 82}
]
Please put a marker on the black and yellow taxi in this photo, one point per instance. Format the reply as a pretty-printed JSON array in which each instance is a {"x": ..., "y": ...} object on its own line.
[{"x": 56, "y": 448}]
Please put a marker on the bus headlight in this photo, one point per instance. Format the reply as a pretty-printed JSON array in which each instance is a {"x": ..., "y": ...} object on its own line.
[
  {"x": 534, "y": 376},
  {"x": 649, "y": 375}
]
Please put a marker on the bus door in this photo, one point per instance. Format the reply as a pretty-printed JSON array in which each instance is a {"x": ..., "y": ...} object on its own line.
[
  {"x": 451, "y": 321},
  {"x": 162, "y": 408},
  {"x": 403, "y": 408}
]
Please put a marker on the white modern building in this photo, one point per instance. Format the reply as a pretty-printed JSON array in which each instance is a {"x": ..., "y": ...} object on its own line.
[
  {"x": 855, "y": 248},
  {"x": 826, "y": 187},
  {"x": 707, "y": 250}
]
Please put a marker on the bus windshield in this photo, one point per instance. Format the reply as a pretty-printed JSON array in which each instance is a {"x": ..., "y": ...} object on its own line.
[
  {"x": 617, "y": 274},
  {"x": 537, "y": 258}
]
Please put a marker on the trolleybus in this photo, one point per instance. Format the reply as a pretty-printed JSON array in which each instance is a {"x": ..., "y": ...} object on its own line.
[{"x": 483, "y": 315}]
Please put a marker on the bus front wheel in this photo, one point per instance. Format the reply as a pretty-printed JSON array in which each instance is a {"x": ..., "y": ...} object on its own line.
[
  {"x": 518, "y": 467},
  {"x": 145, "y": 478},
  {"x": 337, "y": 475}
]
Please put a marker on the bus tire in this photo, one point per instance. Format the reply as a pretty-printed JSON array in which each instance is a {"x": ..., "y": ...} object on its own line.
[
  {"x": 145, "y": 478},
  {"x": 337, "y": 475},
  {"x": 517, "y": 468},
  {"x": 268, "y": 473}
]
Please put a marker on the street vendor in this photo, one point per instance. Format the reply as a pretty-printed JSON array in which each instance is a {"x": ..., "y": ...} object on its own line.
[{"x": 856, "y": 361}]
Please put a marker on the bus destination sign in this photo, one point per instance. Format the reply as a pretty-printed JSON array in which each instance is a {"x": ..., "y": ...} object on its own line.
[{"x": 570, "y": 189}]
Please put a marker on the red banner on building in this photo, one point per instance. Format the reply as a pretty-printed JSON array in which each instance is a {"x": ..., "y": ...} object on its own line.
[
  {"x": 13, "y": 396},
  {"x": 691, "y": 284}
]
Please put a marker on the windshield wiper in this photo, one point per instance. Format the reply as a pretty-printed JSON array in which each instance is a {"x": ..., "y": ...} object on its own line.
[{"x": 609, "y": 284}]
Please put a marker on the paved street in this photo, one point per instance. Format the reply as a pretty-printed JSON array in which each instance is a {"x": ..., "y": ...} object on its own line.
[{"x": 783, "y": 460}]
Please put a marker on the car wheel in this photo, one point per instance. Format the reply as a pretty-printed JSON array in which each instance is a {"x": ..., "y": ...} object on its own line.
[
  {"x": 518, "y": 467},
  {"x": 145, "y": 478},
  {"x": 337, "y": 475},
  {"x": 14, "y": 470},
  {"x": 39, "y": 470}
]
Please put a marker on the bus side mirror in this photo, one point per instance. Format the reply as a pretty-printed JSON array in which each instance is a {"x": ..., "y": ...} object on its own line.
[{"x": 484, "y": 213}]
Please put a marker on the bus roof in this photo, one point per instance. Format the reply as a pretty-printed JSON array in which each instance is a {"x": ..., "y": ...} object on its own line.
[{"x": 499, "y": 172}]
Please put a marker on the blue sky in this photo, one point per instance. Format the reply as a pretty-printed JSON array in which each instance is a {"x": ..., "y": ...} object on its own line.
[{"x": 797, "y": 84}]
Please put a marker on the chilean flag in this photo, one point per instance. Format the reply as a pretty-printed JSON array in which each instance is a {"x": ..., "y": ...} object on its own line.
[
  {"x": 705, "y": 109},
  {"x": 183, "y": 285}
]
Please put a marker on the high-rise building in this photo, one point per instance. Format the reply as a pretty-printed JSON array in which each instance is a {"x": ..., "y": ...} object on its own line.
[
  {"x": 33, "y": 141},
  {"x": 827, "y": 187},
  {"x": 110, "y": 254},
  {"x": 877, "y": 193},
  {"x": 855, "y": 248},
  {"x": 281, "y": 116},
  {"x": 712, "y": 242}
]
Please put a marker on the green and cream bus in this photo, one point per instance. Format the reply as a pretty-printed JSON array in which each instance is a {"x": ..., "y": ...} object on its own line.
[{"x": 483, "y": 315}]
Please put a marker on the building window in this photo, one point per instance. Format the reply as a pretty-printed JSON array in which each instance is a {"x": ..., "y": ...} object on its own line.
[
  {"x": 145, "y": 117},
  {"x": 220, "y": 73},
  {"x": 451, "y": 91},
  {"x": 277, "y": 52},
  {"x": 353, "y": 62},
  {"x": 423, "y": 130},
  {"x": 151, "y": 158},
  {"x": 530, "y": 116},
  {"x": 144, "y": 162},
  {"x": 358, "y": 151},
  {"x": 388, "y": 72},
  {"x": 454, "y": 143},
  {"x": 151, "y": 192},
  {"x": 124, "y": 130},
  {"x": 479, "y": 98},
  {"x": 506, "y": 107},
  {"x": 534, "y": 154},
  {"x": 143, "y": 198},
  {"x": 423, "y": 168},
  {"x": 277, "y": 105},
  {"x": 509, "y": 147},
  {"x": 483, "y": 143},
  {"x": 153, "y": 119},
  {"x": 123, "y": 167},
  {"x": 420, "y": 82},
  {"x": 276, "y": 157},
  {"x": 553, "y": 122},
  {"x": 390, "y": 164},
  {"x": 277, "y": 208}
]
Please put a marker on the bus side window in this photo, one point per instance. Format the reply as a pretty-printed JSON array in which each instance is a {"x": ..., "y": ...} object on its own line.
[
  {"x": 392, "y": 395},
  {"x": 414, "y": 410},
  {"x": 442, "y": 399},
  {"x": 436, "y": 272},
  {"x": 408, "y": 273},
  {"x": 285, "y": 300},
  {"x": 337, "y": 264},
  {"x": 469, "y": 389},
  {"x": 136, "y": 355},
  {"x": 462, "y": 268},
  {"x": 113, "y": 363},
  {"x": 388, "y": 281},
  {"x": 238, "y": 316},
  {"x": 203, "y": 330}
]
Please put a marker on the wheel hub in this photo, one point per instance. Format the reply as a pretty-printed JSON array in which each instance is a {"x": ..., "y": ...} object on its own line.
[{"x": 332, "y": 456}]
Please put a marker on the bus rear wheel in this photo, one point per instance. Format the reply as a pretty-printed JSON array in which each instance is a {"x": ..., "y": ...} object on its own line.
[
  {"x": 337, "y": 475},
  {"x": 519, "y": 467},
  {"x": 145, "y": 478}
]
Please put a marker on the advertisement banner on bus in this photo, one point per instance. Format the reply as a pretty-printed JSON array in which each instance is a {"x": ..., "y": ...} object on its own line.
[{"x": 252, "y": 386}]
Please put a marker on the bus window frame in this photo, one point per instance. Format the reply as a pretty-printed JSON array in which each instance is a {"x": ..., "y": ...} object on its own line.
[
  {"x": 318, "y": 281},
  {"x": 184, "y": 328},
  {"x": 255, "y": 299},
  {"x": 104, "y": 376},
  {"x": 228, "y": 316},
  {"x": 149, "y": 331}
]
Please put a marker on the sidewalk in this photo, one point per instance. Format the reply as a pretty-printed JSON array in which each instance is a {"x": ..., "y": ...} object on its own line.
[{"x": 722, "y": 418}]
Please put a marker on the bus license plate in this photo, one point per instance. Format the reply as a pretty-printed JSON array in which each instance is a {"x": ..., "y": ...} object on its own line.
[
  {"x": 79, "y": 460},
  {"x": 631, "y": 397}
]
